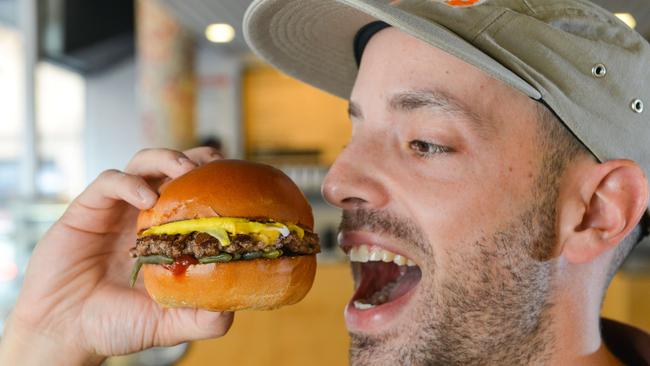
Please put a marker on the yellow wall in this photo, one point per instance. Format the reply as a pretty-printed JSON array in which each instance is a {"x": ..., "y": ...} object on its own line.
[
  {"x": 280, "y": 112},
  {"x": 628, "y": 300}
]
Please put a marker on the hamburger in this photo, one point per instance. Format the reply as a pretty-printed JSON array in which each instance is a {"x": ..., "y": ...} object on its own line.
[{"x": 228, "y": 235}]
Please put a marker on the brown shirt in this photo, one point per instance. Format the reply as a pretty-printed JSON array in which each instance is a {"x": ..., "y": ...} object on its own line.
[{"x": 628, "y": 344}]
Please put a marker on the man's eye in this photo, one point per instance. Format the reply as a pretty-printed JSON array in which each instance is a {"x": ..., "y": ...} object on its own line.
[{"x": 426, "y": 149}]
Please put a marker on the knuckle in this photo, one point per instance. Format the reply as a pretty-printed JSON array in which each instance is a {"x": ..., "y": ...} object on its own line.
[
  {"x": 213, "y": 152},
  {"x": 110, "y": 173},
  {"x": 172, "y": 154},
  {"x": 209, "y": 148},
  {"x": 166, "y": 154},
  {"x": 147, "y": 156},
  {"x": 144, "y": 151},
  {"x": 141, "y": 153},
  {"x": 158, "y": 153},
  {"x": 138, "y": 156},
  {"x": 199, "y": 149}
]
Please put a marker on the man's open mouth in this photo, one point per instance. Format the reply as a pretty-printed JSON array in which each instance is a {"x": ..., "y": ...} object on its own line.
[
  {"x": 384, "y": 276},
  {"x": 385, "y": 283}
]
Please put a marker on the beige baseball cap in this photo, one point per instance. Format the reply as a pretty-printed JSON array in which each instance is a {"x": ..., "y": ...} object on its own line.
[{"x": 576, "y": 57}]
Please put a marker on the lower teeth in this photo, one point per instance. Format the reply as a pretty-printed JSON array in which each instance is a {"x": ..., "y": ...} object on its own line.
[{"x": 362, "y": 306}]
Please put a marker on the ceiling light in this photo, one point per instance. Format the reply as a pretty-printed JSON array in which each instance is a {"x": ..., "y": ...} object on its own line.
[
  {"x": 220, "y": 33},
  {"x": 628, "y": 19}
]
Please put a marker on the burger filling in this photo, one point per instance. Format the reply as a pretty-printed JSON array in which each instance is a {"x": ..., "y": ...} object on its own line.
[
  {"x": 219, "y": 239},
  {"x": 200, "y": 244}
]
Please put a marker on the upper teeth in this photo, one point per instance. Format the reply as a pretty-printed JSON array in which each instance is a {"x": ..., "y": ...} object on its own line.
[{"x": 364, "y": 253}]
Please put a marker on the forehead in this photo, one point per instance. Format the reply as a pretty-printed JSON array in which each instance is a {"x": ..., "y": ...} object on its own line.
[{"x": 394, "y": 61}]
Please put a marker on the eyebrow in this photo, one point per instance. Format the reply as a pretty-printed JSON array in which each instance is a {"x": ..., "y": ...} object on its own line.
[{"x": 437, "y": 101}]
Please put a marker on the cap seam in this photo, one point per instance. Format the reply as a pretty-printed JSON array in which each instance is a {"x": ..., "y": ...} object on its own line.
[
  {"x": 530, "y": 8},
  {"x": 488, "y": 25},
  {"x": 552, "y": 10}
]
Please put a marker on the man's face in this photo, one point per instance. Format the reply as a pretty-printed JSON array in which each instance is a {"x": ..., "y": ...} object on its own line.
[{"x": 443, "y": 169}]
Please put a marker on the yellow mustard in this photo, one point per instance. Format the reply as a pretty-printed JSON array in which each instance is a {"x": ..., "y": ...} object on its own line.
[{"x": 221, "y": 227}]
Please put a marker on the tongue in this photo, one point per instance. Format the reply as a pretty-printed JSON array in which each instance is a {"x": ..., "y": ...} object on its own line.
[{"x": 385, "y": 282}]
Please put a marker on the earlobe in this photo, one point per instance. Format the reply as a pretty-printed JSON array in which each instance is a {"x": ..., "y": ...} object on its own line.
[{"x": 605, "y": 204}]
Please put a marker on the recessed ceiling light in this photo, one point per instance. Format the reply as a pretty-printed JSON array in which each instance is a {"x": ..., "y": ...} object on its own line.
[
  {"x": 220, "y": 33},
  {"x": 627, "y": 18}
]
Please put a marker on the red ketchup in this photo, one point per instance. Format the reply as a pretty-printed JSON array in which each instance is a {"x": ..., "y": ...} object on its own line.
[{"x": 180, "y": 264}]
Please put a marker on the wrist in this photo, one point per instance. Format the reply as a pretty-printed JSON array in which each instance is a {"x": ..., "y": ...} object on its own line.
[{"x": 22, "y": 345}]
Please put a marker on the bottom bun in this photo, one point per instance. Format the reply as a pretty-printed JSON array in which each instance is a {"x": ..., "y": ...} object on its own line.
[{"x": 260, "y": 284}]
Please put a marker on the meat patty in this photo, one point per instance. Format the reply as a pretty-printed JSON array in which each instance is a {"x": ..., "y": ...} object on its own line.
[{"x": 200, "y": 245}]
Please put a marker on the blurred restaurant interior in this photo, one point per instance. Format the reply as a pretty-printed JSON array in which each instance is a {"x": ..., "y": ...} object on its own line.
[{"x": 86, "y": 84}]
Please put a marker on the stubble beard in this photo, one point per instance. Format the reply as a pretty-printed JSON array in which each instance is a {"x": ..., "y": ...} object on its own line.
[{"x": 489, "y": 309}]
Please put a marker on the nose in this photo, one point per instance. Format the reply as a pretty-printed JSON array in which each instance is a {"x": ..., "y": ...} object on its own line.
[{"x": 355, "y": 180}]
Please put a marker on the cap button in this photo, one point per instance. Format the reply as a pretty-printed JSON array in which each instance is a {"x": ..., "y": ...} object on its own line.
[
  {"x": 599, "y": 70},
  {"x": 637, "y": 106}
]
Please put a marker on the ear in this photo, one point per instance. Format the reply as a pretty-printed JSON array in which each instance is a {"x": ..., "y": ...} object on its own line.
[{"x": 598, "y": 207}]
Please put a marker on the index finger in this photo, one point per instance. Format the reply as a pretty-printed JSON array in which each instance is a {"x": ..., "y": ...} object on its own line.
[
  {"x": 113, "y": 185},
  {"x": 159, "y": 163},
  {"x": 97, "y": 208}
]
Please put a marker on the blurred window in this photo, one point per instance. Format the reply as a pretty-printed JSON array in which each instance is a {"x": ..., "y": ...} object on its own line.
[
  {"x": 11, "y": 117},
  {"x": 59, "y": 114},
  {"x": 11, "y": 109},
  {"x": 60, "y": 95}
]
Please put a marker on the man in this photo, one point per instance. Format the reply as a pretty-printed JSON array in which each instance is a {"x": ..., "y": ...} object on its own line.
[{"x": 482, "y": 231}]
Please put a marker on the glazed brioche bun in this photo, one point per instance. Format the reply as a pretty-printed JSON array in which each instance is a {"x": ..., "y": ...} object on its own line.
[
  {"x": 259, "y": 284},
  {"x": 232, "y": 188}
]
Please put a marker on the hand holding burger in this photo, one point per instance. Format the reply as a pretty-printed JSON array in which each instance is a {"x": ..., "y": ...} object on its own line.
[{"x": 76, "y": 306}]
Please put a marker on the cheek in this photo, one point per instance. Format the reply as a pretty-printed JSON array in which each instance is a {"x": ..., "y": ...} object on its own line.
[
  {"x": 447, "y": 214},
  {"x": 473, "y": 205}
]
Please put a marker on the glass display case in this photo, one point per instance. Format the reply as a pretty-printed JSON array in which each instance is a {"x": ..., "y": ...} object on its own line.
[{"x": 21, "y": 226}]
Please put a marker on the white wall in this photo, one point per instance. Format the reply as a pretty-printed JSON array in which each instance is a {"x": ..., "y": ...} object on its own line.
[
  {"x": 219, "y": 99},
  {"x": 112, "y": 131}
]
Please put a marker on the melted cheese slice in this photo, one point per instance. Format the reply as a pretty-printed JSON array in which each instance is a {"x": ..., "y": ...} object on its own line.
[{"x": 222, "y": 228}]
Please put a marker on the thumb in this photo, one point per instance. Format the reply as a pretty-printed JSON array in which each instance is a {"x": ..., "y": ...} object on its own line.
[{"x": 183, "y": 324}]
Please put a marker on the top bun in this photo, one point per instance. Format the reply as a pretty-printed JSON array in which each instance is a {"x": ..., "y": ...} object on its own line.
[{"x": 230, "y": 188}]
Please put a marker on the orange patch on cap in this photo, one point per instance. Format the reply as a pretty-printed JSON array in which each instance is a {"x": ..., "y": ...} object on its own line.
[{"x": 462, "y": 2}]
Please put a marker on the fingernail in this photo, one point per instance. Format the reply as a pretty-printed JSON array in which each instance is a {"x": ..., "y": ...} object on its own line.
[{"x": 146, "y": 195}]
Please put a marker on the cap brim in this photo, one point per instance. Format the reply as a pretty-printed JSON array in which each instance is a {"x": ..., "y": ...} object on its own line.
[{"x": 312, "y": 40}]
